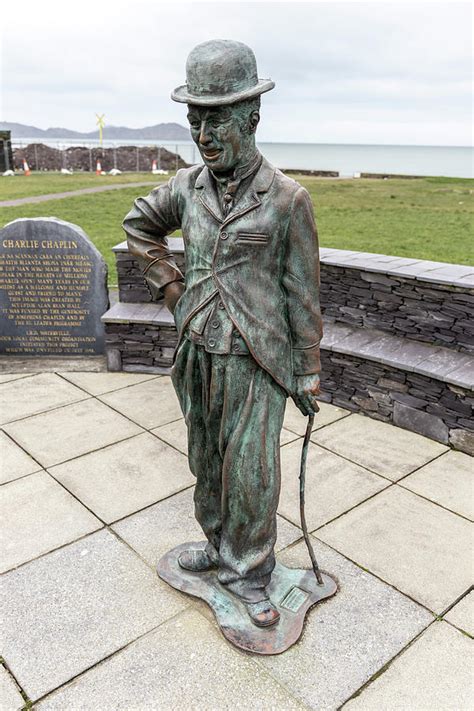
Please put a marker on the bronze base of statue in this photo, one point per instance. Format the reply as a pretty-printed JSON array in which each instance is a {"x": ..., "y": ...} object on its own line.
[{"x": 294, "y": 591}]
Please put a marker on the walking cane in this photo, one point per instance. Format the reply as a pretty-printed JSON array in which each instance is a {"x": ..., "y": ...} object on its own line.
[{"x": 304, "y": 454}]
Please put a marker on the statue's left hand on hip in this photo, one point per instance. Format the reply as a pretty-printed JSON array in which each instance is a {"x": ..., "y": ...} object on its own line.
[{"x": 306, "y": 389}]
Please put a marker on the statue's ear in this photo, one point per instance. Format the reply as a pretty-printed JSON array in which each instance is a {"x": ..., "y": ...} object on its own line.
[{"x": 254, "y": 118}]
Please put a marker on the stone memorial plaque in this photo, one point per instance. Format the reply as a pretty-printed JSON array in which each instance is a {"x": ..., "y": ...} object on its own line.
[{"x": 53, "y": 290}]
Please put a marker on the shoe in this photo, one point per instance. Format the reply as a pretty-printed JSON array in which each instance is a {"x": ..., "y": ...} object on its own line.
[
  {"x": 263, "y": 613},
  {"x": 197, "y": 561}
]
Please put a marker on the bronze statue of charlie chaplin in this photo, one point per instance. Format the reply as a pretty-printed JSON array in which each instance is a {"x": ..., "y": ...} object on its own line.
[{"x": 247, "y": 314}]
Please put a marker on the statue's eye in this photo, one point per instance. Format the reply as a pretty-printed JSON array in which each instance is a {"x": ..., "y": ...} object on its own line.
[{"x": 194, "y": 123}]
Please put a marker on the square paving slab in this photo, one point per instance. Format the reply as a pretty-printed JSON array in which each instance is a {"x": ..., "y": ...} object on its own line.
[
  {"x": 8, "y": 377},
  {"x": 68, "y": 432},
  {"x": 149, "y": 404},
  {"x": 462, "y": 614},
  {"x": 28, "y": 396},
  {"x": 417, "y": 546},
  {"x": 296, "y": 421},
  {"x": 175, "y": 433},
  {"x": 379, "y": 446},
  {"x": 14, "y": 462},
  {"x": 100, "y": 383},
  {"x": 38, "y": 515},
  {"x": 448, "y": 480},
  {"x": 434, "y": 673},
  {"x": 159, "y": 528},
  {"x": 10, "y": 697},
  {"x": 184, "y": 664},
  {"x": 333, "y": 485},
  {"x": 125, "y": 477},
  {"x": 346, "y": 638},
  {"x": 68, "y": 610}
]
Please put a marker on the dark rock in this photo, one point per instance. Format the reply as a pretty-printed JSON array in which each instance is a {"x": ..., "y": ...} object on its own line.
[
  {"x": 114, "y": 360},
  {"x": 462, "y": 440},
  {"x": 422, "y": 422},
  {"x": 468, "y": 424},
  {"x": 365, "y": 403},
  {"x": 391, "y": 384},
  {"x": 407, "y": 399},
  {"x": 378, "y": 278}
]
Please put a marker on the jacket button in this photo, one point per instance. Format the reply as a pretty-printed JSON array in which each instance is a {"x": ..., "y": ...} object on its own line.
[
  {"x": 236, "y": 348},
  {"x": 211, "y": 342},
  {"x": 236, "y": 334},
  {"x": 215, "y": 324},
  {"x": 221, "y": 305},
  {"x": 224, "y": 235}
]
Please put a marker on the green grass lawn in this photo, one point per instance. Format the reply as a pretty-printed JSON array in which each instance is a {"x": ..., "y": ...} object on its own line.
[
  {"x": 44, "y": 183},
  {"x": 424, "y": 218}
]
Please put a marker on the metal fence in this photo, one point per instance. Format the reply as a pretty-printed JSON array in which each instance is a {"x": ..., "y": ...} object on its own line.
[{"x": 61, "y": 154}]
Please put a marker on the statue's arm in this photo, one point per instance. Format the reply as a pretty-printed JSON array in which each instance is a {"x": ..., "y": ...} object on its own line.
[
  {"x": 147, "y": 225},
  {"x": 301, "y": 283}
]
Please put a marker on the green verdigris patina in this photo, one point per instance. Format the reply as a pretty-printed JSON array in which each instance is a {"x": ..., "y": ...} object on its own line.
[{"x": 247, "y": 314}]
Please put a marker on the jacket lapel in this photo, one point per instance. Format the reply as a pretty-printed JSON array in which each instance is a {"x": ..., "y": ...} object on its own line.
[
  {"x": 208, "y": 194},
  {"x": 251, "y": 200}
]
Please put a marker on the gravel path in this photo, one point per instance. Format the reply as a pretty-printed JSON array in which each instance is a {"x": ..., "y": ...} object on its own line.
[{"x": 70, "y": 193}]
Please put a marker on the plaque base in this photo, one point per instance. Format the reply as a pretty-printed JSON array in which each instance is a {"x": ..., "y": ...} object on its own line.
[{"x": 292, "y": 590}]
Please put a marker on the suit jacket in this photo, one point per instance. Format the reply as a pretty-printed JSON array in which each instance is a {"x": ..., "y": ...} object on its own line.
[{"x": 262, "y": 259}]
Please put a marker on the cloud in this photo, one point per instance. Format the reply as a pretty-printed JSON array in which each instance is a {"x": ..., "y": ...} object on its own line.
[{"x": 352, "y": 72}]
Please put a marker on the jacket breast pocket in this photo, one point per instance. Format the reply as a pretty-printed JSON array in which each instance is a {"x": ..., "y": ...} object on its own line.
[{"x": 258, "y": 239}]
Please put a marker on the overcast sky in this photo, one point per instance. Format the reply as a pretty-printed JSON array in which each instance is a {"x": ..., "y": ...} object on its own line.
[{"x": 361, "y": 72}]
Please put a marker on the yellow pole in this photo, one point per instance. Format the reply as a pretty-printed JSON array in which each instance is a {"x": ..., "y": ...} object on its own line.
[{"x": 100, "y": 123}]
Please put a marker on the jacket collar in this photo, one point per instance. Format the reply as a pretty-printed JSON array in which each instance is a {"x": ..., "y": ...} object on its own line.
[{"x": 249, "y": 200}]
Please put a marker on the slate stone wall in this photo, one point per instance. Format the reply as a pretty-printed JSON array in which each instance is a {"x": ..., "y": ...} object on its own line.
[
  {"x": 132, "y": 286},
  {"x": 425, "y": 405},
  {"x": 439, "y": 314},
  {"x": 140, "y": 347}
]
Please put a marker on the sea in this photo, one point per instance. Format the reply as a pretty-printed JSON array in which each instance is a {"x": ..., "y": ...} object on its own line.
[{"x": 347, "y": 159}]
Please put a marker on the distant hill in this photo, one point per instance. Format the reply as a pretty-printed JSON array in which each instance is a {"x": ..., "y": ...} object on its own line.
[{"x": 161, "y": 131}]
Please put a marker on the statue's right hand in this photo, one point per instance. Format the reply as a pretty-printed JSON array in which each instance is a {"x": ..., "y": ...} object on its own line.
[{"x": 173, "y": 292}]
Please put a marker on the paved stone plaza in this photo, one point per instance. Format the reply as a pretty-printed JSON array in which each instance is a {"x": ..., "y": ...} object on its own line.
[{"x": 96, "y": 487}]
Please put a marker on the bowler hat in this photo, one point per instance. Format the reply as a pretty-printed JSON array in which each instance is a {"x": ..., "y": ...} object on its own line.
[{"x": 221, "y": 72}]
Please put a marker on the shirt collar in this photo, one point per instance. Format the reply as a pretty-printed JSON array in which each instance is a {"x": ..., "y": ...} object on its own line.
[{"x": 242, "y": 172}]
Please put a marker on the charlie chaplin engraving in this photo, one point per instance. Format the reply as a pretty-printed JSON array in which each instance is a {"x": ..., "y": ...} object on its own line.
[{"x": 247, "y": 314}]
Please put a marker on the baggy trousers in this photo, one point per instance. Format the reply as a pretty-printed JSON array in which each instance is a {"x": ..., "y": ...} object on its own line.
[{"x": 234, "y": 414}]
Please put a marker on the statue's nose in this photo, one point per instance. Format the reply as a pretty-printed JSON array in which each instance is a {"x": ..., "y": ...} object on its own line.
[{"x": 204, "y": 137}]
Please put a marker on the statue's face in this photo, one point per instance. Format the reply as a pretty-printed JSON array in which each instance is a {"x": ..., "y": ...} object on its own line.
[{"x": 222, "y": 134}]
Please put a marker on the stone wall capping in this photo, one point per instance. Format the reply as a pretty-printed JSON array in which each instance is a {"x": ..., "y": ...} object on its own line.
[
  {"x": 326, "y": 252},
  {"x": 417, "y": 268},
  {"x": 176, "y": 242},
  {"x": 121, "y": 247},
  {"x": 153, "y": 313},
  {"x": 456, "y": 278},
  {"x": 334, "y": 333},
  {"x": 407, "y": 355},
  {"x": 378, "y": 348},
  {"x": 466, "y": 281},
  {"x": 442, "y": 363},
  {"x": 463, "y": 376},
  {"x": 352, "y": 343}
]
